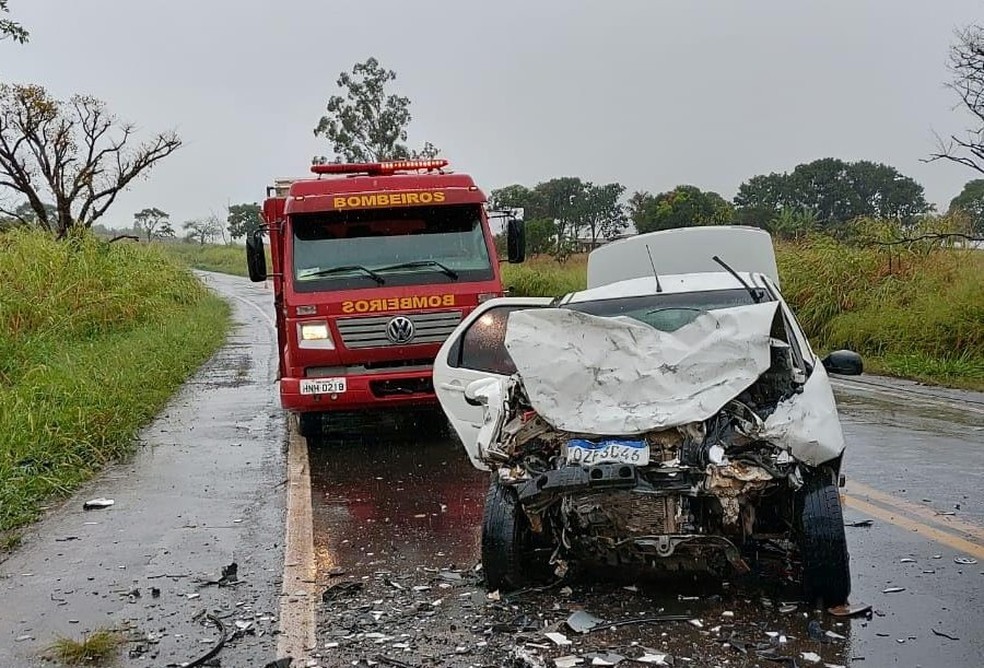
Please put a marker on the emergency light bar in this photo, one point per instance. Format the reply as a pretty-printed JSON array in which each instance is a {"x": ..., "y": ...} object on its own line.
[{"x": 378, "y": 168}]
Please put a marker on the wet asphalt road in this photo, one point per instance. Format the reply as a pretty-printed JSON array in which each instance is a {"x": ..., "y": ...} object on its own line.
[{"x": 397, "y": 509}]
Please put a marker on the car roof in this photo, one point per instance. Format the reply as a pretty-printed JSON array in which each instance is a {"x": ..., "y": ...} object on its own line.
[{"x": 670, "y": 284}]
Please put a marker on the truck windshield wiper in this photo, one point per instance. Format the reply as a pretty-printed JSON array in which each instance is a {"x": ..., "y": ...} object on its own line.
[
  {"x": 348, "y": 267},
  {"x": 447, "y": 271}
]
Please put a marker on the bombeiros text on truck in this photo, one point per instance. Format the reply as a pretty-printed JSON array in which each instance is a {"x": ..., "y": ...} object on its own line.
[{"x": 373, "y": 266}]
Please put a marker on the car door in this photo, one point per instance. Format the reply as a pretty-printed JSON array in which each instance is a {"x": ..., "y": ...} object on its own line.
[{"x": 476, "y": 350}]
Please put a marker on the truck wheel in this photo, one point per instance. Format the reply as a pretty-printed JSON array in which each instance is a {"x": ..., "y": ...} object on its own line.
[
  {"x": 823, "y": 541},
  {"x": 507, "y": 539}
]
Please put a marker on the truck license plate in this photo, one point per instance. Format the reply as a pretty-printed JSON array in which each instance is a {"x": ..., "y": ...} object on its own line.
[
  {"x": 611, "y": 451},
  {"x": 323, "y": 386}
]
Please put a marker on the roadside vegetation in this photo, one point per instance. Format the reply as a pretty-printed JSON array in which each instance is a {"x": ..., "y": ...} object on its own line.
[{"x": 94, "y": 338}]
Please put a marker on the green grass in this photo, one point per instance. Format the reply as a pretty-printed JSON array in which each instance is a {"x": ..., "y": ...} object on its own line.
[
  {"x": 94, "y": 649},
  {"x": 94, "y": 338},
  {"x": 211, "y": 257}
]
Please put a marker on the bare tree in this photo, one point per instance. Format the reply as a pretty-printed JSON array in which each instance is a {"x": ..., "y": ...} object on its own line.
[
  {"x": 75, "y": 154},
  {"x": 11, "y": 29},
  {"x": 967, "y": 67}
]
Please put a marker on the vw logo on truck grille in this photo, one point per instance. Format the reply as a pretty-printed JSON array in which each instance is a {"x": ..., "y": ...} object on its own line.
[{"x": 400, "y": 329}]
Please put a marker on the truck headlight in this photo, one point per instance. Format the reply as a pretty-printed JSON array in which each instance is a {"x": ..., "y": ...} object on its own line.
[{"x": 314, "y": 335}]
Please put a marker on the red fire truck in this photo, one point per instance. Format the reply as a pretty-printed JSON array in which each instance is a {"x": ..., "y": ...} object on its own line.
[{"x": 373, "y": 266}]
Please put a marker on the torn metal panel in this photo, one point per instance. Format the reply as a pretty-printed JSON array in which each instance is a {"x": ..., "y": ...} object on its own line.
[
  {"x": 617, "y": 376},
  {"x": 807, "y": 422}
]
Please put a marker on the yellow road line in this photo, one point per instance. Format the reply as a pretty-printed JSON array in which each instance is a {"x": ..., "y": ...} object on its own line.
[
  {"x": 948, "y": 522},
  {"x": 933, "y": 534}
]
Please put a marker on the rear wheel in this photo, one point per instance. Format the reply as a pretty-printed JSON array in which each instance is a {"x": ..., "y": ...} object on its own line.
[
  {"x": 507, "y": 539},
  {"x": 823, "y": 541}
]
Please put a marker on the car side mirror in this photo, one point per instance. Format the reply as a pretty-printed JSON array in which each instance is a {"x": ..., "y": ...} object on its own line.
[
  {"x": 843, "y": 363},
  {"x": 515, "y": 240},
  {"x": 475, "y": 391},
  {"x": 256, "y": 257}
]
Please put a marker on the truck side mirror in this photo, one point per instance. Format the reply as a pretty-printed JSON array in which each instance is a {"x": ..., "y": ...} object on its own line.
[
  {"x": 515, "y": 240},
  {"x": 843, "y": 363},
  {"x": 256, "y": 257}
]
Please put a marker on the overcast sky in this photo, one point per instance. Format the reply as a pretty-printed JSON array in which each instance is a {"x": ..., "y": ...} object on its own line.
[{"x": 648, "y": 93}]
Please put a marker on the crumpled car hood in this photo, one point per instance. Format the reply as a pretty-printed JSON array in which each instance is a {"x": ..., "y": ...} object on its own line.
[{"x": 619, "y": 377}]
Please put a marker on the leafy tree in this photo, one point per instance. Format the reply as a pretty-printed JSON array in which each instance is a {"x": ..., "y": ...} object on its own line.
[
  {"x": 74, "y": 153},
  {"x": 367, "y": 124},
  {"x": 11, "y": 29},
  {"x": 150, "y": 222},
  {"x": 599, "y": 209},
  {"x": 243, "y": 219},
  {"x": 834, "y": 191},
  {"x": 970, "y": 202},
  {"x": 684, "y": 206},
  {"x": 203, "y": 230}
]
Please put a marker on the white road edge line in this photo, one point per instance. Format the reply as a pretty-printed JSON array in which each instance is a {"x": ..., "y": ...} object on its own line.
[{"x": 297, "y": 601}]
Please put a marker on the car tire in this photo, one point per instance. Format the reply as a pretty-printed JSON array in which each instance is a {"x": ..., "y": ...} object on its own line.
[
  {"x": 507, "y": 539},
  {"x": 823, "y": 541}
]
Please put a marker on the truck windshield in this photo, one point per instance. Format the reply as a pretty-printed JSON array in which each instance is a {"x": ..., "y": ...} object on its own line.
[{"x": 372, "y": 247}]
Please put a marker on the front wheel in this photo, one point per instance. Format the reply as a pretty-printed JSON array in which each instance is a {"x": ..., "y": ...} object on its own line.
[
  {"x": 507, "y": 539},
  {"x": 823, "y": 541}
]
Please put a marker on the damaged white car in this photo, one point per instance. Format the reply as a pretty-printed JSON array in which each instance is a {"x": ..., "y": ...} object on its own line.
[{"x": 672, "y": 416}]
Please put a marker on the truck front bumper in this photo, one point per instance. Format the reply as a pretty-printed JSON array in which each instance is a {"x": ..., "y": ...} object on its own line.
[{"x": 390, "y": 390}]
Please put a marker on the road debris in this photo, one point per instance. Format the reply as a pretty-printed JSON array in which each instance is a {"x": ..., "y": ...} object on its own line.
[
  {"x": 965, "y": 561},
  {"x": 98, "y": 504},
  {"x": 340, "y": 590},
  {"x": 280, "y": 663},
  {"x": 605, "y": 659},
  {"x": 860, "y": 523},
  {"x": 943, "y": 635},
  {"x": 653, "y": 657},
  {"x": 810, "y": 656},
  {"x": 893, "y": 590},
  {"x": 583, "y": 622},
  {"x": 568, "y": 661},
  {"x": 557, "y": 638},
  {"x": 204, "y": 659},
  {"x": 850, "y": 610}
]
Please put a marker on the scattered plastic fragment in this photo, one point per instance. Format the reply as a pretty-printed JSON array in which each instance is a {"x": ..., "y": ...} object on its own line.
[
  {"x": 339, "y": 590},
  {"x": 834, "y": 636},
  {"x": 814, "y": 630},
  {"x": 789, "y": 607},
  {"x": 98, "y": 504},
  {"x": 23, "y": 638},
  {"x": 860, "y": 523},
  {"x": 568, "y": 661},
  {"x": 607, "y": 659},
  {"x": 907, "y": 561},
  {"x": 652, "y": 657},
  {"x": 557, "y": 638},
  {"x": 727, "y": 613},
  {"x": 811, "y": 657},
  {"x": 965, "y": 561},
  {"x": 943, "y": 635},
  {"x": 582, "y": 621},
  {"x": 893, "y": 590},
  {"x": 206, "y": 658},
  {"x": 696, "y": 622}
]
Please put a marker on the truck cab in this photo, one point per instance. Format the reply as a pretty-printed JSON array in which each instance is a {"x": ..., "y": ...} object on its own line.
[{"x": 373, "y": 266}]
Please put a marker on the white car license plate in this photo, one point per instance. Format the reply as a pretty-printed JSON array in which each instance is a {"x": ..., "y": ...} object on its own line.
[
  {"x": 610, "y": 451},
  {"x": 323, "y": 386}
]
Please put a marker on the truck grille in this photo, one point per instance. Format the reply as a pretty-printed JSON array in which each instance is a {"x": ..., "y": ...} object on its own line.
[{"x": 370, "y": 332}]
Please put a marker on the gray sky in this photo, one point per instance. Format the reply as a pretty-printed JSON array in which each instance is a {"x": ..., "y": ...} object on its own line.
[{"x": 648, "y": 93}]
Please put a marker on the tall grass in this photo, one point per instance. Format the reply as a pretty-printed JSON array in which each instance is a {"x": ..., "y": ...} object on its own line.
[
  {"x": 94, "y": 338},
  {"x": 211, "y": 257}
]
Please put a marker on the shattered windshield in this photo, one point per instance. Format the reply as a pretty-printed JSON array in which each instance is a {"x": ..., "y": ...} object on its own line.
[
  {"x": 668, "y": 312},
  {"x": 409, "y": 246}
]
